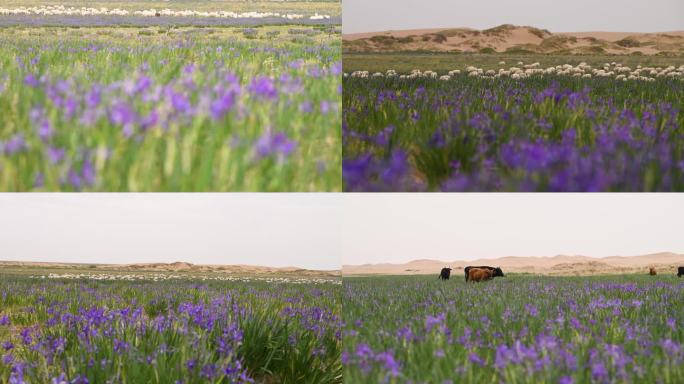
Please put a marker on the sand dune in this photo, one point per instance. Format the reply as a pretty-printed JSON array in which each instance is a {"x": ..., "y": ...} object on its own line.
[
  {"x": 178, "y": 266},
  {"x": 664, "y": 262},
  {"x": 516, "y": 39}
]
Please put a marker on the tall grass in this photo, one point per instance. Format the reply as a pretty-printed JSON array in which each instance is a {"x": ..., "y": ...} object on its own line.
[
  {"x": 165, "y": 332},
  {"x": 517, "y": 329},
  {"x": 190, "y": 109},
  {"x": 545, "y": 133}
]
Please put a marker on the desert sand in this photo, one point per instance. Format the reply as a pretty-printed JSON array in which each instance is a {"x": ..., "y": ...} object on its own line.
[
  {"x": 516, "y": 39},
  {"x": 178, "y": 266},
  {"x": 664, "y": 262}
]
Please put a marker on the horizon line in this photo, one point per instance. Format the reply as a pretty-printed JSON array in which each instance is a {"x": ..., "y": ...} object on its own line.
[
  {"x": 164, "y": 263},
  {"x": 515, "y": 25},
  {"x": 511, "y": 256}
]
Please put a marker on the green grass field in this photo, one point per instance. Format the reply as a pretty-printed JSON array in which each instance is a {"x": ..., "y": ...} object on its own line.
[
  {"x": 181, "y": 330},
  {"x": 170, "y": 109},
  {"x": 495, "y": 130},
  {"x": 515, "y": 329}
]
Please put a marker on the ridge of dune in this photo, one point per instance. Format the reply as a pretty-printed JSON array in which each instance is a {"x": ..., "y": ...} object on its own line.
[
  {"x": 178, "y": 266},
  {"x": 508, "y": 38}
]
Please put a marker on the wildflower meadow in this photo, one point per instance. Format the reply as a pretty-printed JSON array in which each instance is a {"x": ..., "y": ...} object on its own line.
[
  {"x": 522, "y": 127},
  {"x": 120, "y": 329},
  {"x": 514, "y": 329},
  {"x": 170, "y": 108}
]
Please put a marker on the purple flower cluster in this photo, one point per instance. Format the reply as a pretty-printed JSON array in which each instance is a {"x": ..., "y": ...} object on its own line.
[
  {"x": 366, "y": 360},
  {"x": 85, "y": 332},
  {"x": 270, "y": 144},
  {"x": 91, "y": 130},
  {"x": 546, "y": 329},
  {"x": 542, "y": 135}
]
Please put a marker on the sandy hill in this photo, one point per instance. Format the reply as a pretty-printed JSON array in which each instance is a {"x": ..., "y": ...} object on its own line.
[
  {"x": 178, "y": 266},
  {"x": 665, "y": 262},
  {"x": 516, "y": 39}
]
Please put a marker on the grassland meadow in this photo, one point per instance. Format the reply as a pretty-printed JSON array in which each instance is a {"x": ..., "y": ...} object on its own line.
[
  {"x": 514, "y": 329},
  {"x": 601, "y": 127},
  {"x": 170, "y": 107},
  {"x": 184, "y": 330}
]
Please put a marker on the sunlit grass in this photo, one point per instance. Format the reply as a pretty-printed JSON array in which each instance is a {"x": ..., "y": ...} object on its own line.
[{"x": 170, "y": 109}]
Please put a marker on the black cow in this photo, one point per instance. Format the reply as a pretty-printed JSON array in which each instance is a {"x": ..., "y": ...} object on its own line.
[
  {"x": 680, "y": 271},
  {"x": 496, "y": 271},
  {"x": 445, "y": 273}
]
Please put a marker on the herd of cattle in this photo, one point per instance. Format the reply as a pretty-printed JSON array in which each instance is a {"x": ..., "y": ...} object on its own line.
[
  {"x": 474, "y": 274},
  {"x": 484, "y": 273}
]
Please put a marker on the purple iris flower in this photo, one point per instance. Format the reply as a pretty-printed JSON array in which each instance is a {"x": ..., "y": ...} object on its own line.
[
  {"x": 270, "y": 144},
  {"x": 325, "y": 107},
  {"x": 142, "y": 84},
  {"x": 389, "y": 362},
  {"x": 121, "y": 114},
  {"x": 15, "y": 144},
  {"x": 45, "y": 130},
  {"x": 180, "y": 102},
  {"x": 39, "y": 180},
  {"x": 222, "y": 105},
  {"x": 31, "y": 80},
  {"x": 55, "y": 155},
  {"x": 88, "y": 172},
  {"x": 263, "y": 87},
  {"x": 94, "y": 96},
  {"x": 74, "y": 179},
  {"x": 149, "y": 121}
]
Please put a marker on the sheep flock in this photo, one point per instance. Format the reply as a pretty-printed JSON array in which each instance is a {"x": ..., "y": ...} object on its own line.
[
  {"x": 60, "y": 10},
  {"x": 164, "y": 276},
  {"x": 522, "y": 71}
]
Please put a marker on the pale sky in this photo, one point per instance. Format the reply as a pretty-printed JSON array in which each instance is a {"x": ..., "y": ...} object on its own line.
[
  {"x": 556, "y": 16},
  {"x": 397, "y": 228},
  {"x": 257, "y": 229}
]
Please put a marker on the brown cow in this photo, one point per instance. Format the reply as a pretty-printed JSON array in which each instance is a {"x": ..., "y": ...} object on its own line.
[
  {"x": 480, "y": 274},
  {"x": 652, "y": 271}
]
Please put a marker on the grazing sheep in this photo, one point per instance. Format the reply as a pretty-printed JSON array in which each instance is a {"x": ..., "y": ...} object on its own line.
[
  {"x": 56, "y": 10},
  {"x": 582, "y": 70}
]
